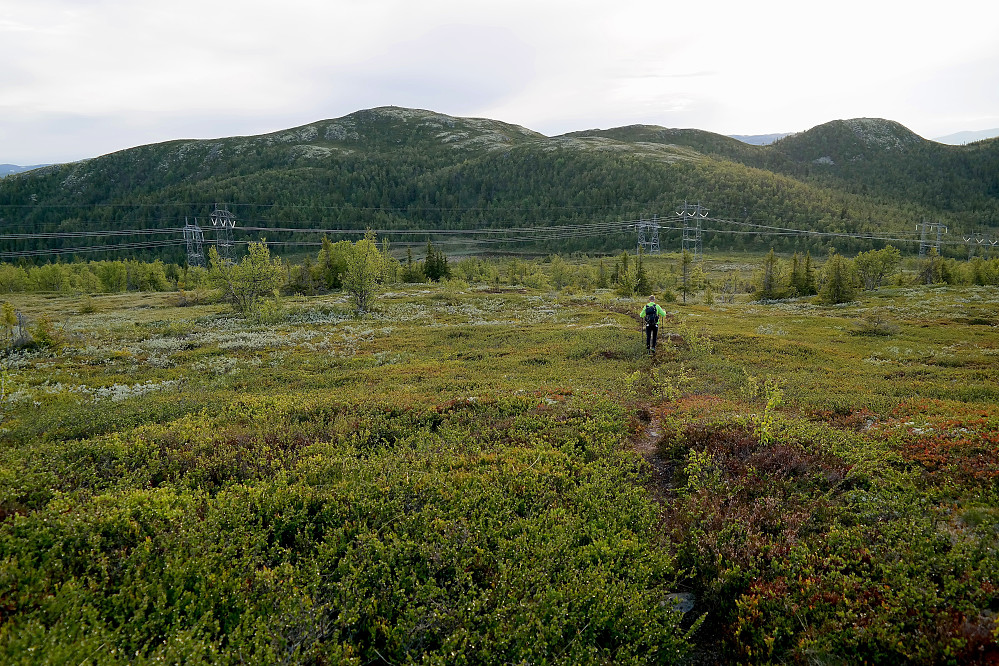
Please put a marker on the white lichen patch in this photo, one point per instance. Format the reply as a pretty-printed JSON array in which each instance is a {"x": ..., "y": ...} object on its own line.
[
  {"x": 311, "y": 152},
  {"x": 119, "y": 392},
  {"x": 344, "y": 130},
  {"x": 302, "y": 134},
  {"x": 217, "y": 366},
  {"x": 403, "y": 114},
  {"x": 115, "y": 392},
  {"x": 451, "y": 137},
  {"x": 769, "y": 329},
  {"x": 881, "y": 133},
  {"x": 606, "y": 323}
]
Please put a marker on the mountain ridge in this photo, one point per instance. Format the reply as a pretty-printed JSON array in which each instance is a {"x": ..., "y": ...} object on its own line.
[
  {"x": 392, "y": 167},
  {"x": 406, "y": 114}
]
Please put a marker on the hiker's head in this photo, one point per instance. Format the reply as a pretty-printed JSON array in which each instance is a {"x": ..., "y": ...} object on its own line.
[{"x": 652, "y": 299}]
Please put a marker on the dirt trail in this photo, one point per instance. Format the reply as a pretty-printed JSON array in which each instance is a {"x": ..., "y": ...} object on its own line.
[{"x": 646, "y": 444}]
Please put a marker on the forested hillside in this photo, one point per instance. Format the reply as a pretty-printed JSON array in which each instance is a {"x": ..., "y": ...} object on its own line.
[
  {"x": 403, "y": 169},
  {"x": 886, "y": 161}
]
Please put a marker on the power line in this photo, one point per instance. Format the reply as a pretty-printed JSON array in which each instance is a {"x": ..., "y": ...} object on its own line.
[
  {"x": 90, "y": 234},
  {"x": 479, "y": 236},
  {"x": 494, "y": 236},
  {"x": 91, "y": 249},
  {"x": 339, "y": 207}
]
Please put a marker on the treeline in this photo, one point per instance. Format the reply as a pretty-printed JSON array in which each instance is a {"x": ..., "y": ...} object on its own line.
[
  {"x": 627, "y": 273},
  {"x": 99, "y": 277},
  {"x": 255, "y": 285},
  {"x": 840, "y": 279},
  {"x": 327, "y": 271}
]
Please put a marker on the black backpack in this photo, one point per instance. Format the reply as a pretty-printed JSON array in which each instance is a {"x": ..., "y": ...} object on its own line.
[{"x": 651, "y": 315}]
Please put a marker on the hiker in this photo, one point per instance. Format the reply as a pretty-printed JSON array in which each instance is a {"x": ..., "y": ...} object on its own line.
[{"x": 651, "y": 313}]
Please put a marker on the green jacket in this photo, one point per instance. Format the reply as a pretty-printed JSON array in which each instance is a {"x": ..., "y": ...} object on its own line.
[{"x": 641, "y": 313}]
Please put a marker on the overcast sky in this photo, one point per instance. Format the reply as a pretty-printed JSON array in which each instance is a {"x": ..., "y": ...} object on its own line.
[{"x": 80, "y": 78}]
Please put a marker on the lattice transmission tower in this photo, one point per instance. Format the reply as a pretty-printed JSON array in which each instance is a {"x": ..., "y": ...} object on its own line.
[
  {"x": 983, "y": 241},
  {"x": 195, "y": 240},
  {"x": 223, "y": 221},
  {"x": 648, "y": 235},
  {"x": 924, "y": 243},
  {"x": 691, "y": 216}
]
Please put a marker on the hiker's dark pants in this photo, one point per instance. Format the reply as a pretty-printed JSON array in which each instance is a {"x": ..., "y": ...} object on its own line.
[{"x": 651, "y": 334}]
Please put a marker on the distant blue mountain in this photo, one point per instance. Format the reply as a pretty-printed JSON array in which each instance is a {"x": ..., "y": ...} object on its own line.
[
  {"x": 7, "y": 169},
  {"x": 961, "y": 138},
  {"x": 758, "y": 139}
]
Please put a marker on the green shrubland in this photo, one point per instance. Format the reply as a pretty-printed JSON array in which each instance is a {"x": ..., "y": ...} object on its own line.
[{"x": 489, "y": 469}]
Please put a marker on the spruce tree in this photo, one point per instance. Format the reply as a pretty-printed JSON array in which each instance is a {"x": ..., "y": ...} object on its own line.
[
  {"x": 809, "y": 288},
  {"x": 838, "y": 286},
  {"x": 602, "y": 282},
  {"x": 686, "y": 287},
  {"x": 642, "y": 284},
  {"x": 436, "y": 267},
  {"x": 931, "y": 270},
  {"x": 797, "y": 275},
  {"x": 771, "y": 286},
  {"x": 407, "y": 272}
]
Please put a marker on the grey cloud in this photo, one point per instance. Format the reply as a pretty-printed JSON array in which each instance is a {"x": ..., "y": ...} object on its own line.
[{"x": 452, "y": 68}]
